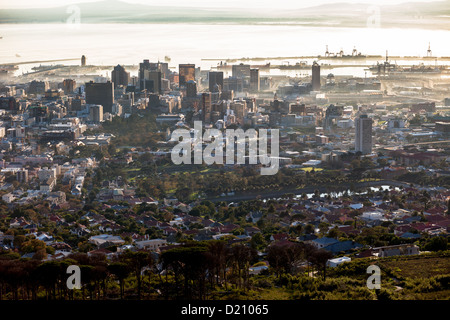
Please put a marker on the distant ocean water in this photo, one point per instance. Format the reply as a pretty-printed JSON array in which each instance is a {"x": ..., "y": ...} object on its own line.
[{"x": 111, "y": 44}]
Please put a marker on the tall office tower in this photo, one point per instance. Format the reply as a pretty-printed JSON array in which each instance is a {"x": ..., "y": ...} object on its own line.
[
  {"x": 315, "y": 76},
  {"x": 240, "y": 70},
  {"x": 151, "y": 81},
  {"x": 142, "y": 67},
  {"x": 186, "y": 73},
  {"x": 234, "y": 84},
  {"x": 68, "y": 85},
  {"x": 83, "y": 61},
  {"x": 119, "y": 76},
  {"x": 296, "y": 108},
  {"x": 191, "y": 89},
  {"x": 100, "y": 93},
  {"x": 22, "y": 175},
  {"x": 240, "y": 110},
  {"x": 363, "y": 134},
  {"x": 215, "y": 77},
  {"x": 96, "y": 113},
  {"x": 38, "y": 87},
  {"x": 164, "y": 68},
  {"x": 254, "y": 80},
  {"x": 77, "y": 104},
  {"x": 206, "y": 107}
]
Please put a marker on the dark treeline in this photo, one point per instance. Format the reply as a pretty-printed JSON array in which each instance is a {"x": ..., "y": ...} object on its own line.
[{"x": 193, "y": 270}]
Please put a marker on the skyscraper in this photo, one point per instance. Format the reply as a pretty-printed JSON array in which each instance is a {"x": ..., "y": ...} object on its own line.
[
  {"x": 152, "y": 81},
  {"x": 315, "y": 76},
  {"x": 206, "y": 107},
  {"x": 254, "y": 80},
  {"x": 119, "y": 76},
  {"x": 363, "y": 134},
  {"x": 215, "y": 77},
  {"x": 186, "y": 73},
  {"x": 96, "y": 113},
  {"x": 240, "y": 70},
  {"x": 191, "y": 89},
  {"x": 83, "y": 61},
  {"x": 68, "y": 85},
  {"x": 100, "y": 93}
]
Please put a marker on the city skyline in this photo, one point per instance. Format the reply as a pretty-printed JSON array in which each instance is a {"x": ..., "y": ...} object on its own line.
[{"x": 241, "y": 151}]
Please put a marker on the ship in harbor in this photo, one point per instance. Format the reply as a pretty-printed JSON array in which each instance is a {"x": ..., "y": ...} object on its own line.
[
  {"x": 9, "y": 67},
  {"x": 388, "y": 68},
  {"x": 225, "y": 66},
  {"x": 393, "y": 69},
  {"x": 385, "y": 67},
  {"x": 341, "y": 55}
]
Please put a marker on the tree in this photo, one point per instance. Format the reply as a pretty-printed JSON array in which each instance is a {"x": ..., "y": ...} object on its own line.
[
  {"x": 188, "y": 263},
  {"x": 437, "y": 244},
  {"x": 136, "y": 261},
  {"x": 199, "y": 211},
  {"x": 121, "y": 271},
  {"x": 218, "y": 253},
  {"x": 241, "y": 256},
  {"x": 285, "y": 258},
  {"x": 320, "y": 258},
  {"x": 257, "y": 241}
]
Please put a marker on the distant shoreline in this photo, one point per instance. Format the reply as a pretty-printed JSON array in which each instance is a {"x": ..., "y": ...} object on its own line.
[{"x": 434, "y": 26}]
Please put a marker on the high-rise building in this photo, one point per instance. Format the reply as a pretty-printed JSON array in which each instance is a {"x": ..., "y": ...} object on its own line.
[
  {"x": 38, "y": 87},
  {"x": 215, "y": 77},
  {"x": 151, "y": 81},
  {"x": 206, "y": 107},
  {"x": 68, "y": 85},
  {"x": 191, "y": 89},
  {"x": 234, "y": 84},
  {"x": 427, "y": 106},
  {"x": 119, "y": 76},
  {"x": 96, "y": 113},
  {"x": 164, "y": 68},
  {"x": 240, "y": 110},
  {"x": 9, "y": 103},
  {"x": 83, "y": 61},
  {"x": 77, "y": 104},
  {"x": 186, "y": 73},
  {"x": 315, "y": 76},
  {"x": 22, "y": 175},
  {"x": 363, "y": 134},
  {"x": 254, "y": 80},
  {"x": 240, "y": 70},
  {"x": 298, "y": 109},
  {"x": 147, "y": 73},
  {"x": 100, "y": 93},
  {"x": 142, "y": 67}
]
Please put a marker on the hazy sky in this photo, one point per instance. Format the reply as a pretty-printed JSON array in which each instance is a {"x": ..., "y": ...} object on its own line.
[{"x": 286, "y": 4}]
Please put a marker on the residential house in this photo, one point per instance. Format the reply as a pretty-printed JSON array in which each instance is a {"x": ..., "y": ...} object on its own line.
[
  {"x": 48, "y": 185},
  {"x": 101, "y": 251},
  {"x": 396, "y": 250},
  {"x": 152, "y": 244},
  {"x": 80, "y": 230},
  {"x": 251, "y": 231},
  {"x": 279, "y": 237},
  {"x": 337, "y": 261},
  {"x": 8, "y": 197},
  {"x": 342, "y": 246},
  {"x": 320, "y": 243},
  {"x": 105, "y": 240}
]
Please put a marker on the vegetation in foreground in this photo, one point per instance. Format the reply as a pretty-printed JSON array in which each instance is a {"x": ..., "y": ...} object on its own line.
[{"x": 212, "y": 270}]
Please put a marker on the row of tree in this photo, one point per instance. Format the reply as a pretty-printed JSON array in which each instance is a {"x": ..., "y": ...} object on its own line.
[{"x": 194, "y": 270}]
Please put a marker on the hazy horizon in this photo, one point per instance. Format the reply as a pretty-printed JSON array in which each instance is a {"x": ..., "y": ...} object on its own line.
[{"x": 231, "y": 4}]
